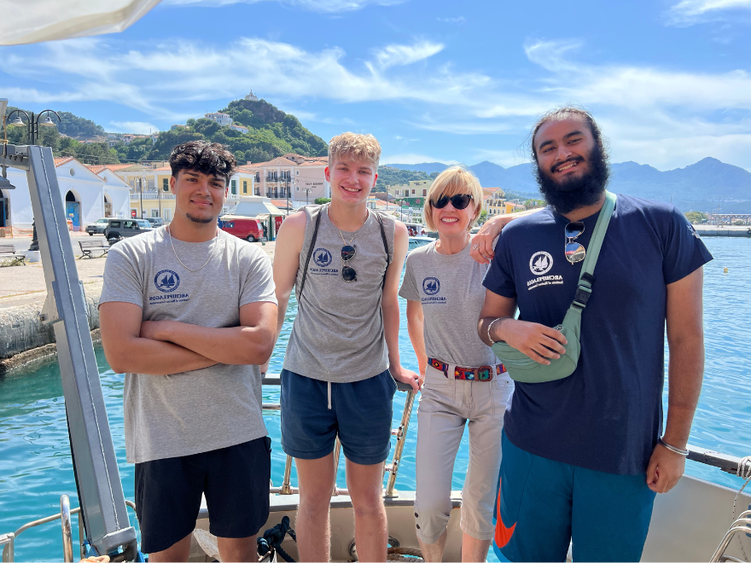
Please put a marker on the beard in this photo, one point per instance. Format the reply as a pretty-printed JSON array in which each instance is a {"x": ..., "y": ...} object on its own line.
[
  {"x": 572, "y": 193},
  {"x": 200, "y": 220}
]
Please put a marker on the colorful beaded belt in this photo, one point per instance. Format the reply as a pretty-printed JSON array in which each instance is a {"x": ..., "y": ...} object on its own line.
[{"x": 483, "y": 373}]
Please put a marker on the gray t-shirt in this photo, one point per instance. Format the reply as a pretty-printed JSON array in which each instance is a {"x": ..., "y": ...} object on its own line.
[
  {"x": 201, "y": 410},
  {"x": 338, "y": 333},
  {"x": 450, "y": 289}
]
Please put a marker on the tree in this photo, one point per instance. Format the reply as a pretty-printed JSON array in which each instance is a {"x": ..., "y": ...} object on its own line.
[
  {"x": 322, "y": 200},
  {"x": 483, "y": 217},
  {"x": 696, "y": 217}
]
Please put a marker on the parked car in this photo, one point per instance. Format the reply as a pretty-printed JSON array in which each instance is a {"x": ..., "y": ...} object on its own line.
[
  {"x": 155, "y": 221},
  {"x": 98, "y": 227},
  {"x": 118, "y": 229},
  {"x": 242, "y": 227}
]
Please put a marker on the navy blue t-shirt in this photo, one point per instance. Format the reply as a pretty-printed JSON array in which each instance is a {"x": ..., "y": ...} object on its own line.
[{"x": 608, "y": 414}]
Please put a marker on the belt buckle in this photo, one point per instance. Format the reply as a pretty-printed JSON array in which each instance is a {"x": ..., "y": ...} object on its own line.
[{"x": 485, "y": 373}]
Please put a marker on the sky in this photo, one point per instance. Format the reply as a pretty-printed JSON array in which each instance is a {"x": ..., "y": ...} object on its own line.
[{"x": 434, "y": 80}]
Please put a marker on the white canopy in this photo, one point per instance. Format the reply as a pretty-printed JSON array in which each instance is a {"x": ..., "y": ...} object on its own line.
[
  {"x": 256, "y": 206},
  {"x": 24, "y": 21}
]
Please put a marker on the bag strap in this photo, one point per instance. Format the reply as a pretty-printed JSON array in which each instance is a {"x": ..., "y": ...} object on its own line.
[
  {"x": 385, "y": 247},
  {"x": 586, "y": 277},
  {"x": 319, "y": 212}
]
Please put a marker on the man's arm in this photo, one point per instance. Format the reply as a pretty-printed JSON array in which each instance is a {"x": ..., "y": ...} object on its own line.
[
  {"x": 127, "y": 352},
  {"x": 416, "y": 329},
  {"x": 685, "y": 373},
  {"x": 482, "y": 243},
  {"x": 390, "y": 308},
  {"x": 250, "y": 343},
  {"x": 539, "y": 342}
]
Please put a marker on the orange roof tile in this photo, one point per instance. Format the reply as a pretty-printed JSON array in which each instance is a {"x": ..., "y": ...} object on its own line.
[{"x": 59, "y": 161}]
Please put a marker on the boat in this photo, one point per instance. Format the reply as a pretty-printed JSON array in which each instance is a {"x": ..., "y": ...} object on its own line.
[
  {"x": 696, "y": 521},
  {"x": 418, "y": 241}
]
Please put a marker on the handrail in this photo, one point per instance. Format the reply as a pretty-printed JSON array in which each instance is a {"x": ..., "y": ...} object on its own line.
[
  {"x": 9, "y": 539},
  {"x": 742, "y": 525},
  {"x": 66, "y": 529}
]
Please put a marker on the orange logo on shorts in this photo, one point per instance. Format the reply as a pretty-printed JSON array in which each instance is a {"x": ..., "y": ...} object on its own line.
[{"x": 502, "y": 533}]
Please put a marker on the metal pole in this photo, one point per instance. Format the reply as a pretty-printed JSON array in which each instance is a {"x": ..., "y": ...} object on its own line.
[
  {"x": 401, "y": 439},
  {"x": 98, "y": 480},
  {"x": 140, "y": 192}
]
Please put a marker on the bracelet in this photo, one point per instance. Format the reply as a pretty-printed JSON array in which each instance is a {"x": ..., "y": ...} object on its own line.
[
  {"x": 490, "y": 325},
  {"x": 673, "y": 449}
]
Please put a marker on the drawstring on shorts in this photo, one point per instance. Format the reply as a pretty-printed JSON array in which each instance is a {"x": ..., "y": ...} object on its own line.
[{"x": 329, "y": 386}]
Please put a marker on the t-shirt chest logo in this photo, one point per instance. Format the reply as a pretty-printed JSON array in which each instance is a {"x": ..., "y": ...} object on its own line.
[
  {"x": 540, "y": 263},
  {"x": 167, "y": 281},
  {"x": 322, "y": 257},
  {"x": 431, "y": 286}
]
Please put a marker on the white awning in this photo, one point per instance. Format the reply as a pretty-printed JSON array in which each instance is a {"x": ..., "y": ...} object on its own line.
[
  {"x": 22, "y": 21},
  {"x": 256, "y": 206}
]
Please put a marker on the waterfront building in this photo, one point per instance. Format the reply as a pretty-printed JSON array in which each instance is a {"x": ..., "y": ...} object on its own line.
[
  {"x": 412, "y": 194},
  {"x": 300, "y": 179},
  {"x": 87, "y": 196},
  {"x": 494, "y": 201}
]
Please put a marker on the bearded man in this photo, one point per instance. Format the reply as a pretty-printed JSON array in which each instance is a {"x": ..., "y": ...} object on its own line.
[{"x": 581, "y": 449}]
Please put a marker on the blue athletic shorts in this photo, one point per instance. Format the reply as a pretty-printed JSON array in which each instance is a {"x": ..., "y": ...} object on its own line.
[
  {"x": 543, "y": 505},
  {"x": 235, "y": 481},
  {"x": 360, "y": 413}
]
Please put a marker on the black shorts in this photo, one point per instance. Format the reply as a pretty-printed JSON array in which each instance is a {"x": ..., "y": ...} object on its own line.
[{"x": 235, "y": 481}]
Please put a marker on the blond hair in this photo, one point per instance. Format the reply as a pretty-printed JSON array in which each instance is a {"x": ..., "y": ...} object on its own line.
[
  {"x": 452, "y": 181},
  {"x": 355, "y": 146}
]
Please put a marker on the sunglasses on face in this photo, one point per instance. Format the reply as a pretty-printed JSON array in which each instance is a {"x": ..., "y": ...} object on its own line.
[
  {"x": 459, "y": 201},
  {"x": 348, "y": 272},
  {"x": 575, "y": 252}
]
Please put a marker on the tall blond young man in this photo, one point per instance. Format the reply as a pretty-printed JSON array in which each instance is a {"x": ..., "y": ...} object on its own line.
[
  {"x": 188, "y": 313},
  {"x": 345, "y": 263}
]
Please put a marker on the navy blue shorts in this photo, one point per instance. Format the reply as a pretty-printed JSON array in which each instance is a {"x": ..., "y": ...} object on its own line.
[
  {"x": 235, "y": 481},
  {"x": 360, "y": 413}
]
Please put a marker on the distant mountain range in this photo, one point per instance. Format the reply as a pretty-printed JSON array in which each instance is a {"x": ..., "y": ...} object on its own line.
[{"x": 708, "y": 185}]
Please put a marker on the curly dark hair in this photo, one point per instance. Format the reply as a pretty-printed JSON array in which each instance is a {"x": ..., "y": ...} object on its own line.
[
  {"x": 562, "y": 112},
  {"x": 207, "y": 158}
]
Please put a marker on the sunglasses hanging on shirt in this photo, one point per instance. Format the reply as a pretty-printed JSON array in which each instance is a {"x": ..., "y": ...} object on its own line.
[{"x": 575, "y": 252}]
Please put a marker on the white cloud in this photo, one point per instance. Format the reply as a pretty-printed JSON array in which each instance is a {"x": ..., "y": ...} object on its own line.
[
  {"x": 324, "y": 6},
  {"x": 403, "y": 55},
  {"x": 413, "y": 158},
  {"x": 136, "y": 127},
  {"x": 182, "y": 71},
  {"x": 689, "y": 12},
  {"x": 461, "y": 20}
]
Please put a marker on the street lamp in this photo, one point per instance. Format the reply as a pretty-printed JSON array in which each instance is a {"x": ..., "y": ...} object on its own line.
[
  {"x": 32, "y": 124},
  {"x": 307, "y": 191},
  {"x": 33, "y": 121}
]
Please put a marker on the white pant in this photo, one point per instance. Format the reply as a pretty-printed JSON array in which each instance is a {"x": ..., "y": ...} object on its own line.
[{"x": 445, "y": 405}]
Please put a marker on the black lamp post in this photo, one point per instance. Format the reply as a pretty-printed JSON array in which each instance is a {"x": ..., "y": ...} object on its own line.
[{"x": 33, "y": 122}]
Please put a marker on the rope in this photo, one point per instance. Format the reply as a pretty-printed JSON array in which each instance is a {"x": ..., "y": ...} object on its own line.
[
  {"x": 404, "y": 554},
  {"x": 395, "y": 553},
  {"x": 273, "y": 537},
  {"x": 744, "y": 472}
]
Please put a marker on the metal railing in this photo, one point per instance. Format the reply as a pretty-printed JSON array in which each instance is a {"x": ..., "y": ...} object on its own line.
[{"x": 8, "y": 541}]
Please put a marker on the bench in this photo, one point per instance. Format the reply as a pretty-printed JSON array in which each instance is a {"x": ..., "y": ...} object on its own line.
[
  {"x": 88, "y": 247},
  {"x": 10, "y": 257}
]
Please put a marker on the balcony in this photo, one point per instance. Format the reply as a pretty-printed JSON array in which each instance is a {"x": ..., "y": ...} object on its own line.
[{"x": 135, "y": 196}]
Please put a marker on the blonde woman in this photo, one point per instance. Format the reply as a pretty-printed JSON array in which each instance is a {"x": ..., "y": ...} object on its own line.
[{"x": 463, "y": 382}]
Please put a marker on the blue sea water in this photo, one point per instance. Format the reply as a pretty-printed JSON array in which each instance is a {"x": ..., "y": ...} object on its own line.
[{"x": 35, "y": 463}]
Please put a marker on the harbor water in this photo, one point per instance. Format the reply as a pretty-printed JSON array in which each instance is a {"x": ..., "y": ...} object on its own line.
[{"x": 35, "y": 462}]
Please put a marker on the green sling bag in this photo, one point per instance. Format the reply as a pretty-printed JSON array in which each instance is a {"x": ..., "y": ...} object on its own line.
[{"x": 521, "y": 367}]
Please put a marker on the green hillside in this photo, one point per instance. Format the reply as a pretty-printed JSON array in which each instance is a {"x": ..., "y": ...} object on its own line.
[
  {"x": 271, "y": 133},
  {"x": 389, "y": 176}
]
